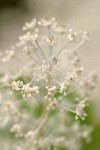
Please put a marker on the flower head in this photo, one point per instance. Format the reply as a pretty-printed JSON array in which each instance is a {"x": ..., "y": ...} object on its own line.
[{"x": 50, "y": 81}]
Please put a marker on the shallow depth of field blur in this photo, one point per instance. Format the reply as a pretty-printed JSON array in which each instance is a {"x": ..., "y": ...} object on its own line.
[{"x": 76, "y": 14}]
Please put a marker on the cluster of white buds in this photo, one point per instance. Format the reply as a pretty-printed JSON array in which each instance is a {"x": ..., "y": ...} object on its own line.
[
  {"x": 71, "y": 76},
  {"x": 71, "y": 37},
  {"x": 52, "y": 104},
  {"x": 30, "y": 25},
  {"x": 16, "y": 85},
  {"x": 78, "y": 71},
  {"x": 65, "y": 85},
  {"x": 30, "y": 36},
  {"x": 27, "y": 51},
  {"x": 61, "y": 29},
  {"x": 51, "y": 41},
  {"x": 29, "y": 91},
  {"x": 51, "y": 85},
  {"x": 43, "y": 71},
  {"x": 54, "y": 60},
  {"x": 16, "y": 128},
  {"x": 50, "y": 97},
  {"x": 47, "y": 22},
  {"x": 85, "y": 35},
  {"x": 26, "y": 89},
  {"x": 51, "y": 90},
  {"x": 29, "y": 135},
  {"x": 80, "y": 109},
  {"x": 44, "y": 68}
]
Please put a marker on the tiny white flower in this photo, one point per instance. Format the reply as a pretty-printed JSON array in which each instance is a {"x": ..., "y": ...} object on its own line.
[
  {"x": 51, "y": 41},
  {"x": 46, "y": 22},
  {"x": 71, "y": 37},
  {"x": 61, "y": 29},
  {"x": 30, "y": 25},
  {"x": 29, "y": 91},
  {"x": 64, "y": 86},
  {"x": 15, "y": 85},
  {"x": 29, "y": 135},
  {"x": 16, "y": 128}
]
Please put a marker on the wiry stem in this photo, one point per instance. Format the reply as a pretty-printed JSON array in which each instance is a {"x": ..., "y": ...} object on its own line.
[
  {"x": 50, "y": 53},
  {"x": 78, "y": 45},
  {"x": 50, "y": 48},
  {"x": 31, "y": 81},
  {"x": 45, "y": 112},
  {"x": 49, "y": 76},
  {"x": 37, "y": 43},
  {"x": 20, "y": 61},
  {"x": 41, "y": 124},
  {"x": 38, "y": 56},
  {"x": 60, "y": 51},
  {"x": 34, "y": 59},
  {"x": 68, "y": 109},
  {"x": 73, "y": 49},
  {"x": 59, "y": 70}
]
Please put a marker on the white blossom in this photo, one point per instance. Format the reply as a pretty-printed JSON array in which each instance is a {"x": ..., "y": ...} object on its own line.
[
  {"x": 30, "y": 25},
  {"x": 30, "y": 36},
  {"x": 47, "y": 22},
  {"x": 51, "y": 41},
  {"x": 46, "y": 83},
  {"x": 29, "y": 91},
  {"x": 15, "y": 85},
  {"x": 29, "y": 135},
  {"x": 80, "y": 109}
]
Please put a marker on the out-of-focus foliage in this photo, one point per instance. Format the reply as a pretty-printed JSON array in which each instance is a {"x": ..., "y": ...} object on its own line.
[
  {"x": 95, "y": 143},
  {"x": 6, "y": 135}
]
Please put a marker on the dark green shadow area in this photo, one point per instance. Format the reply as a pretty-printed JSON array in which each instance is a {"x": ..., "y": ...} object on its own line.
[
  {"x": 11, "y": 4},
  {"x": 95, "y": 143}
]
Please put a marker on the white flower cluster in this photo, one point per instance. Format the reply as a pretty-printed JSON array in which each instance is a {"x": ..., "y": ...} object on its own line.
[
  {"x": 16, "y": 128},
  {"x": 51, "y": 41},
  {"x": 15, "y": 85},
  {"x": 30, "y": 36},
  {"x": 80, "y": 109},
  {"x": 47, "y": 22},
  {"x": 50, "y": 81},
  {"x": 30, "y": 25},
  {"x": 29, "y": 91}
]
